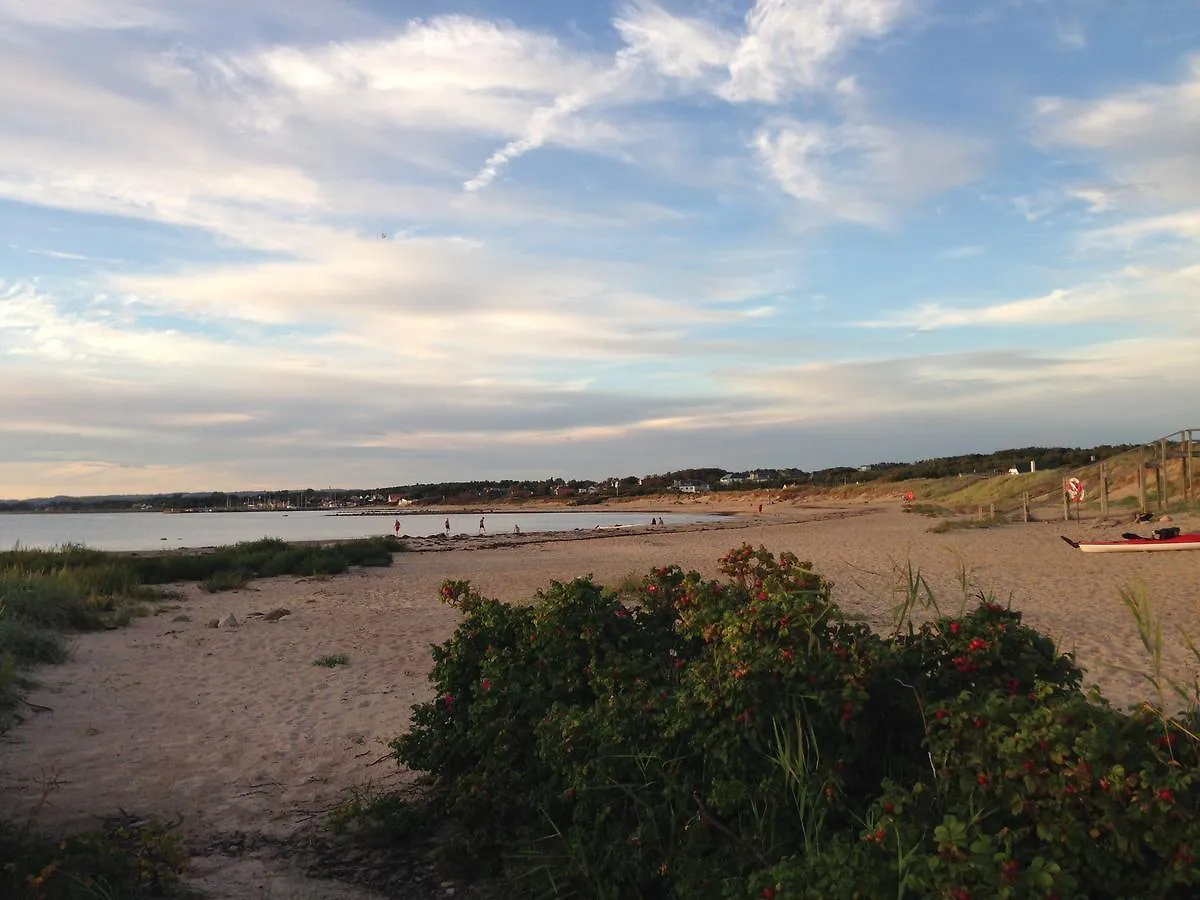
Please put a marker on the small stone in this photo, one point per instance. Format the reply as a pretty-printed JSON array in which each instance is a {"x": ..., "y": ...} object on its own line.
[
  {"x": 230, "y": 621},
  {"x": 212, "y": 623},
  {"x": 276, "y": 614},
  {"x": 182, "y": 619}
]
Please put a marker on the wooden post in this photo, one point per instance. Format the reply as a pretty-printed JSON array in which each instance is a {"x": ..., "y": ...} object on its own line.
[
  {"x": 1103, "y": 491},
  {"x": 992, "y": 511},
  {"x": 1025, "y": 506},
  {"x": 1162, "y": 476},
  {"x": 981, "y": 514},
  {"x": 1188, "y": 496},
  {"x": 1066, "y": 502},
  {"x": 1142, "y": 483}
]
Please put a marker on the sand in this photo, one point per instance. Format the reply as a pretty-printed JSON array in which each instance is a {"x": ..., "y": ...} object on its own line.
[{"x": 237, "y": 730}]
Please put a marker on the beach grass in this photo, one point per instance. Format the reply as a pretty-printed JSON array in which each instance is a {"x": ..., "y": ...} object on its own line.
[
  {"x": 927, "y": 509},
  {"x": 265, "y": 558},
  {"x": 332, "y": 661},
  {"x": 948, "y": 525}
]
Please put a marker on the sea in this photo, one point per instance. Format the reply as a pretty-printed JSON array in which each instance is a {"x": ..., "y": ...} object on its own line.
[{"x": 165, "y": 531}]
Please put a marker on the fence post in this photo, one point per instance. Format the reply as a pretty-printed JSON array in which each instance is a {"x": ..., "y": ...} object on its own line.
[
  {"x": 1025, "y": 506},
  {"x": 1103, "y": 491},
  {"x": 1164, "y": 490},
  {"x": 1066, "y": 502},
  {"x": 1142, "y": 484}
]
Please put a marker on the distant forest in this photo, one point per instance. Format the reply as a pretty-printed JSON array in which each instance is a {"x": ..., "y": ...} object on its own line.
[
  {"x": 585, "y": 492},
  {"x": 977, "y": 464}
]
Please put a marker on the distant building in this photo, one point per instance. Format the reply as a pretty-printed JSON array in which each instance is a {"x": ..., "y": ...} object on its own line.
[
  {"x": 564, "y": 490},
  {"x": 691, "y": 487}
]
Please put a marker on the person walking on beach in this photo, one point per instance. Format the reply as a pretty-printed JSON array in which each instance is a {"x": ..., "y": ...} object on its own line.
[
  {"x": 481, "y": 528},
  {"x": 397, "y": 528},
  {"x": 447, "y": 526},
  {"x": 516, "y": 529}
]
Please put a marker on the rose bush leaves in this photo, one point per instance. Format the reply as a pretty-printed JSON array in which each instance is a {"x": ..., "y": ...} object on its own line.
[{"x": 743, "y": 738}]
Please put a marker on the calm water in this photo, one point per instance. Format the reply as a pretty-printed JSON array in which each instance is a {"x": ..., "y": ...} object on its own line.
[{"x": 157, "y": 531}]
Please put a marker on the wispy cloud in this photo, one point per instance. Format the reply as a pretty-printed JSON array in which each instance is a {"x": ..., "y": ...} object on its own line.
[{"x": 862, "y": 170}]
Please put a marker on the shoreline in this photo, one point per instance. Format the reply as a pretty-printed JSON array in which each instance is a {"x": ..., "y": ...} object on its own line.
[{"x": 440, "y": 543}]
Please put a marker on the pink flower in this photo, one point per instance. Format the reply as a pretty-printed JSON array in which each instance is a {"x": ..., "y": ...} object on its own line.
[
  {"x": 486, "y": 684},
  {"x": 448, "y": 700}
]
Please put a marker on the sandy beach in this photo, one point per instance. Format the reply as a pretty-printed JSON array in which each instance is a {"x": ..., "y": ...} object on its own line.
[{"x": 236, "y": 729}]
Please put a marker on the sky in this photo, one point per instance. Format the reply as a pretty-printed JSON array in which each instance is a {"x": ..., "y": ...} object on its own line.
[{"x": 290, "y": 243}]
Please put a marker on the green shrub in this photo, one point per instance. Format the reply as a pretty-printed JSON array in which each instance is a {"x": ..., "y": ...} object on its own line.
[
  {"x": 947, "y": 525},
  {"x": 48, "y": 600},
  {"x": 30, "y": 644},
  {"x": 266, "y": 558},
  {"x": 225, "y": 580},
  {"x": 124, "y": 859},
  {"x": 744, "y": 739},
  {"x": 332, "y": 661}
]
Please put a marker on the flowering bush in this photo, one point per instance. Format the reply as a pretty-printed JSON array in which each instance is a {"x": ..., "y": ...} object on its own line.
[{"x": 743, "y": 738}]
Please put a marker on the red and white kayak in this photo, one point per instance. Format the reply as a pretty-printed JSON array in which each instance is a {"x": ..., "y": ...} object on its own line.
[{"x": 1131, "y": 544}]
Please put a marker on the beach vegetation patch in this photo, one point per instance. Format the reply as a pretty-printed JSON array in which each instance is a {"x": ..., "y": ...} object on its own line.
[
  {"x": 126, "y": 857},
  {"x": 266, "y": 558},
  {"x": 948, "y": 525},
  {"x": 332, "y": 661},
  {"x": 225, "y": 580},
  {"x": 743, "y": 738},
  {"x": 927, "y": 509},
  {"x": 379, "y": 817}
]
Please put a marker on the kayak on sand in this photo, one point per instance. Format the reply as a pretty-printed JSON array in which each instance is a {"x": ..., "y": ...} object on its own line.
[{"x": 1163, "y": 539}]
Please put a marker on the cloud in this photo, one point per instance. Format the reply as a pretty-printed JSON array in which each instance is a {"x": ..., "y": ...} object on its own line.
[
  {"x": 861, "y": 170},
  {"x": 1183, "y": 225},
  {"x": 681, "y": 47},
  {"x": 789, "y": 45},
  {"x": 1147, "y": 135},
  {"x": 1012, "y": 384},
  {"x": 1123, "y": 296},
  {"x": 1070, "y": 35},
  {"x": 71, "y": 15}
]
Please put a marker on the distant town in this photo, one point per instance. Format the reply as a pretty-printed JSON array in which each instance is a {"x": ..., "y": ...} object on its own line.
[{"x": 579, "y": 492}]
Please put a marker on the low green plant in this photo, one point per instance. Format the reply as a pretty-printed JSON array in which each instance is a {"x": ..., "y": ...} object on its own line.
[
  {"x": 268, "y": 557},
  {"x": 947, "y": 525},
  {"x": 28, "y": 644},
  {"x": 742, "y": 738},
  {"x": 332, "y": 661},
  {"x": 225, "y": 580},
  {"x": 125, "y": 858},
  {"x": 927, "y": 509},
  {"x": 379, "y": 817}
]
